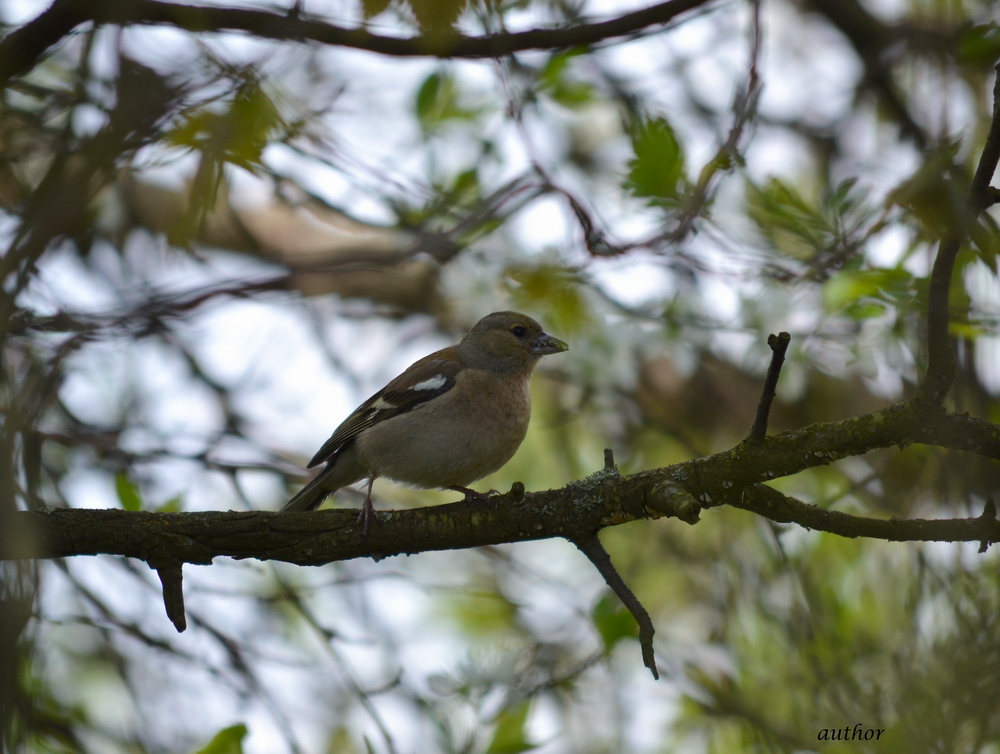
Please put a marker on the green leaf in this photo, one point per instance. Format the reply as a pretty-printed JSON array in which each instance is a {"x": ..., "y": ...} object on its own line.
[
  {"x": 555, "y": 82},
  {"x": 238, "y": 135},
  {"x": 613, "y": 622},
  {"x": 436, "y": 17},
  {"x": 226, "y": 741},
  {"x": 658, "y": 168},
  {"x": 372, "y": 8},
  {"x": 173, "y": 505},
  {"x": 849, "y": 289},
  {"x": 128, "y": 492},
  {"x": 438, "y": 100},
  {"x": 866, "y": 310},
  {"x": 979, "y": 44},
  {"x": 483, "y": 613},
  {"x": 794, "y": 226},
  {"x": 427, "y": 98},
  {"x": 552, "y": 290},
  {"x": 509, "y": 737},
  {"x": 253, "y": 121},
  {"x": 934, "y": 195}
]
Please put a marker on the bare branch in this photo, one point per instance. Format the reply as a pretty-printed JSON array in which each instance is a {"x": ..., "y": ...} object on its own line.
[
  {"x": 980, "y": 190},
  {"x": 594, "y": 550},
  {"x": 940, "y": 355},
  {"x": 316, "y": 538},
  {"x": 574, "y": 512},
  {"x": 171, "y": 579},
  {"x": 768, "y": 502},
  {"x": 21, "y": 49},
  {"x": 779, "y": 345}
]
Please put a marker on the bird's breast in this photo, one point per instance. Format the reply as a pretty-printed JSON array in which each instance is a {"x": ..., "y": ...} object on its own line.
[{"x": 455, "y": 439}]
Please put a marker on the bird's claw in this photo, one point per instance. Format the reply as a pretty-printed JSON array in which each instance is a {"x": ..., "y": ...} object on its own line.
[
  {"x": 472, "y": 495},
  {"x": 366, "y": 516}
]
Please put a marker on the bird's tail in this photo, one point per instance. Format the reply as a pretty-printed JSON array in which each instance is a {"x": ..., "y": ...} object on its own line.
[
  {"x": 341, "y": 470},
  {"x": 309, "y": 497}
]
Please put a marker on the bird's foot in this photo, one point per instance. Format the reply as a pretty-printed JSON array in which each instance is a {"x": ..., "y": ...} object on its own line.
[
  {"x": 367, "y": 515},
  {"x": 471, "y": 495}
]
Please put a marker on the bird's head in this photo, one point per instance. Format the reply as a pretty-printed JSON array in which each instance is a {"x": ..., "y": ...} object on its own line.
[{"x": 508, "y": 342}]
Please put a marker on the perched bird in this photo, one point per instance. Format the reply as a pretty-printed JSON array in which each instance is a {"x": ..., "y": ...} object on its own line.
[{"x": 449, "y": 420}]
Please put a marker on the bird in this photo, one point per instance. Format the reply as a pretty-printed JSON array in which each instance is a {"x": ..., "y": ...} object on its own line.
[{"x": 450, "y": 419}]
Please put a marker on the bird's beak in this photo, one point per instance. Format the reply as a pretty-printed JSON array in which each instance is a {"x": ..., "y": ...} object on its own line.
[{"x": 545, "y": 344}]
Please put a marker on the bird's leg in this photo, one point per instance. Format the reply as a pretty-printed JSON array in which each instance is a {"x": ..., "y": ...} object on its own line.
[
  {"x": 471, "y": 494},
  {"x": 367, "y": 514}
]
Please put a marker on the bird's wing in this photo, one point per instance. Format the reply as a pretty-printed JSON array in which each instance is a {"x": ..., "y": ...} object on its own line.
[{"x": 425, "y": 380}]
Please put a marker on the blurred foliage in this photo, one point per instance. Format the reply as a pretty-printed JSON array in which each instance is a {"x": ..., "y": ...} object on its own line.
[
  {"x": 204, "y": 236},
  {"x": 226, "y": 741},
  {"x": 657, "y": 171}
]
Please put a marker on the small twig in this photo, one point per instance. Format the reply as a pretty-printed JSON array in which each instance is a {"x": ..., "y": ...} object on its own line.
[
  {"x": 988, "y": 518},
  {"x": 779, "y": 345},
  {"x": 594, "y": 550},
  {"x": 171, "y": 579},
  {"x": 609, "y": 460}
]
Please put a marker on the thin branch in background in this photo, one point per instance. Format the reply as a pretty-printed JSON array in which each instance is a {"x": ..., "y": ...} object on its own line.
[
  {"x": 328, "y": 638},
  {"x": 21, "y": 50},
  {"x": 779, "y": 345},
  {"x": 941, "y": 362},
  {"x": 728, "y": 155}
]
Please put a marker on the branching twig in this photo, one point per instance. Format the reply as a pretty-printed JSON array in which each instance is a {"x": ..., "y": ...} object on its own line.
[
  {"x": 779, "y": 345},
  {"x": 594, "y": 550}
]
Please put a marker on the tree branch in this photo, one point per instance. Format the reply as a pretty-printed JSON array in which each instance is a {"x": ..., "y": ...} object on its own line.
[
  {"x": 979, "y": 192},
  {"x": 778, "y": 345},
  {"x": 768, "y": 502},
  {"x": 21, "y": 49},
  {"x": 316, "y": 538},
  {"x": 574, "y": 512},
  {"x": 940, "y": 355},
  {"x": 595, "y": 552},
  {"x": 172, "y": 581}
]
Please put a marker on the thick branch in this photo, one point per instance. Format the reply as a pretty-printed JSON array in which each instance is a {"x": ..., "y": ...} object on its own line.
[
  {"x": 574, "y": 512},
  {"x": 21, "y": 49}
]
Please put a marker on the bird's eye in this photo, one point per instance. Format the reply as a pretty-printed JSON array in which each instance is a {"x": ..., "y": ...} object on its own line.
[{"x": 519, "y": 331}]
